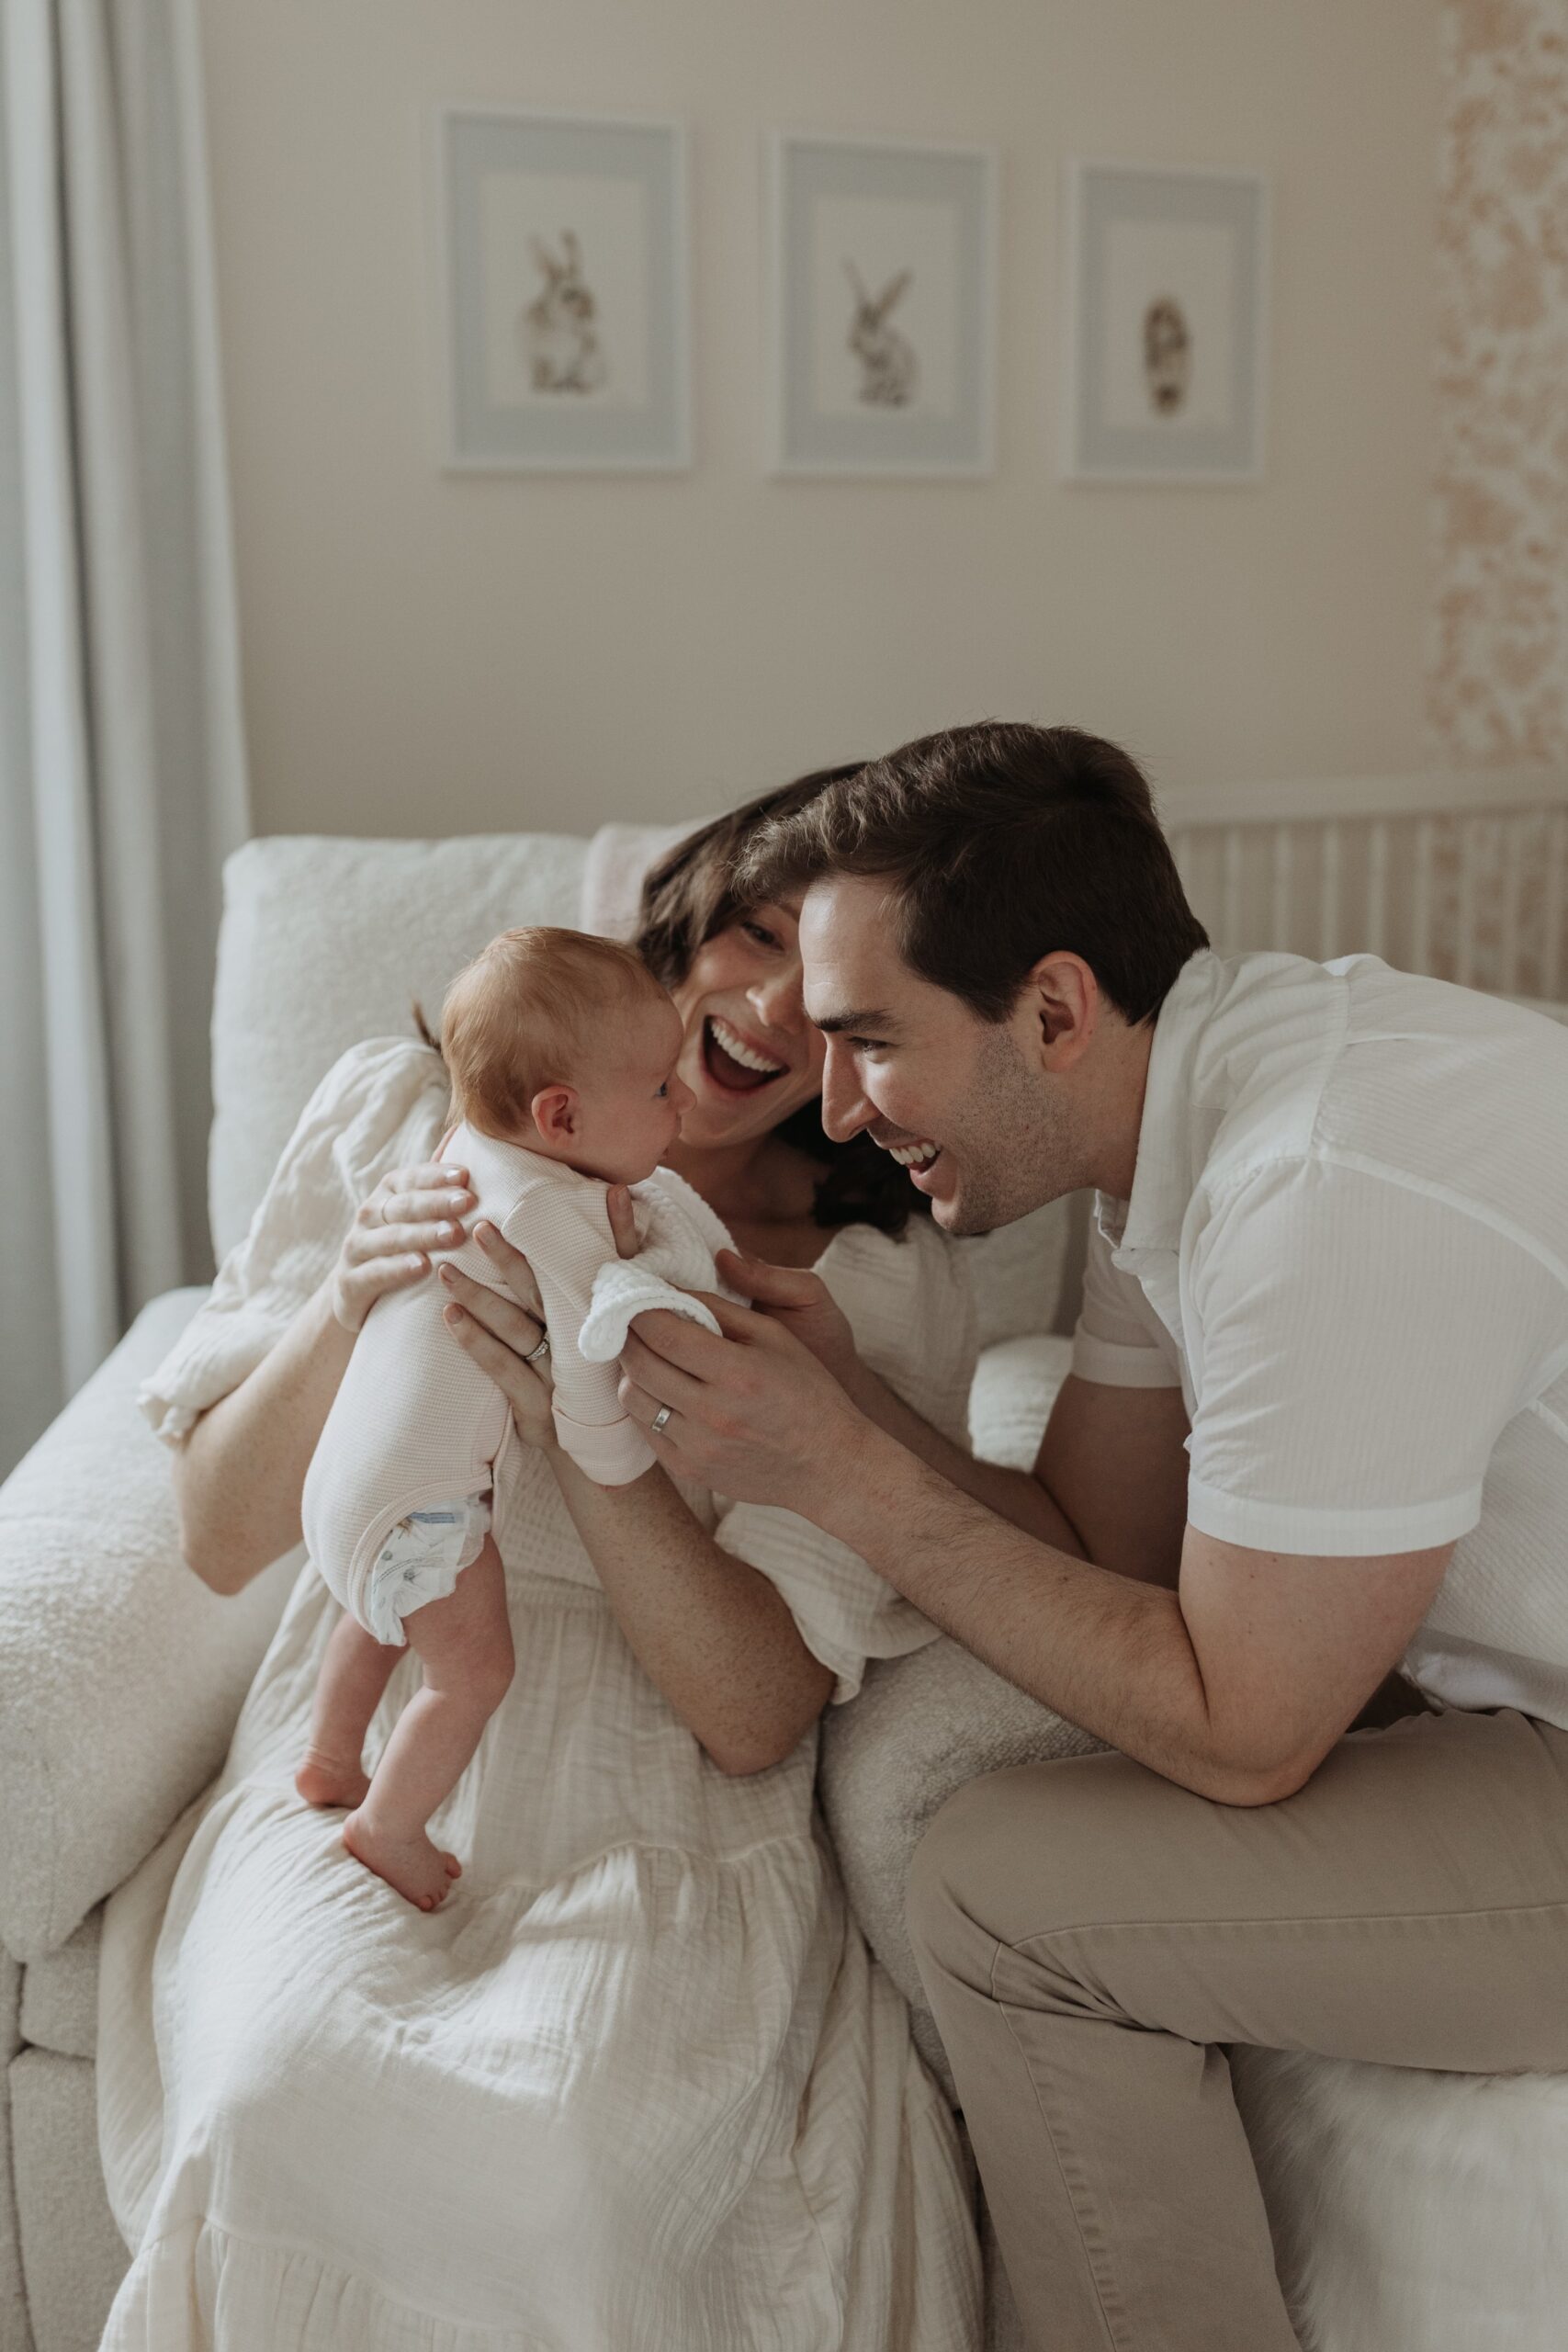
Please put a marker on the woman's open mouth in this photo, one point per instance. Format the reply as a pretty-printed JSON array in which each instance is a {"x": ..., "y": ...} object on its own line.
[{"x": 733, "y": 1062}]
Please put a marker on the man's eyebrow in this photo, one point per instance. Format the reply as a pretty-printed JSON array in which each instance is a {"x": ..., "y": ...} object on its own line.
[{"x": 874, "y": 1024}]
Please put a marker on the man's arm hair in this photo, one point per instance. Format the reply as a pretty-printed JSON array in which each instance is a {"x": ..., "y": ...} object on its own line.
[
  {"x": 1236, "y": 1685},
  {"x": 1108, "y": 1483}
]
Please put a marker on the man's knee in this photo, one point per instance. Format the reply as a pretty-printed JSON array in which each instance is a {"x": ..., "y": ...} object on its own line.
[
  {"x": 962, "y": 1860},
  {"x": 1013, "y": 1854}
]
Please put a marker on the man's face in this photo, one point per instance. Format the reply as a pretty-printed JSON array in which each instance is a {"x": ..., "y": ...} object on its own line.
[{"x": 916, "y": 1069}]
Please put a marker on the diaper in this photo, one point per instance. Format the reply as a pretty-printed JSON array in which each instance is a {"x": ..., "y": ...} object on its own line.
[{"x": 421, "y": 1561}]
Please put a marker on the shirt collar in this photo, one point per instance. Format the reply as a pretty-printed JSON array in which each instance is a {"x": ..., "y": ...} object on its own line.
[{"x": 1170, "y": 1151}]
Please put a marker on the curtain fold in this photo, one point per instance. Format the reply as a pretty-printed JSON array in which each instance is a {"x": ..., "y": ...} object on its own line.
[{"x": 122, "y": 770}]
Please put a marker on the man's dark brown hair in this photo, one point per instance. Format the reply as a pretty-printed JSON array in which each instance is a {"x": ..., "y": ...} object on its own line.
[{"x": 1001, "y": 844}]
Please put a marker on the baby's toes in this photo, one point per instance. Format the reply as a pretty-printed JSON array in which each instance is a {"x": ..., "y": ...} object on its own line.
[{"x": 453, "y": 1867}]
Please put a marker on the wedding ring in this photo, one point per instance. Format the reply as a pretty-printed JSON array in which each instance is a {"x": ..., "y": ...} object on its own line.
[
  {"x": 657, "y": 1424},
  {"x": 542, "y": 1349}
]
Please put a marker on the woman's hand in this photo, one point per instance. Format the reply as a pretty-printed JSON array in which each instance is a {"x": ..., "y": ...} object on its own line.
[
  {"x": 802, "y": 1302},
  {"x": 413, "y": 1212},
  {"x": 501, "y": 1334}
]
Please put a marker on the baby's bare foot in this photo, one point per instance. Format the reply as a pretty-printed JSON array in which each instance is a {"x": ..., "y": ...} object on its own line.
[
  {"x": 416, "y": 1868},
  {"x": 327, "y": 1779}
]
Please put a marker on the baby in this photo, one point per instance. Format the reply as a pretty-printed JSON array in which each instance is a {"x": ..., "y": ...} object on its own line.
[{"x": 562, "y": 1051}]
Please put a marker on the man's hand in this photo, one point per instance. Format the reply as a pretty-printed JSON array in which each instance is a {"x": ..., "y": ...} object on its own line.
[
  {"x": 754, "y": 1415},
  {"x": 802, "y": 1302}
]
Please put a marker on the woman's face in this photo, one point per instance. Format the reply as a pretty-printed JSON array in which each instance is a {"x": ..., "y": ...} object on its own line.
[{"x": 750, "y": 1056}]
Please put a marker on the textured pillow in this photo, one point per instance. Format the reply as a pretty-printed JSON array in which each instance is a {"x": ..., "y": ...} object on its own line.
[
  {"x": 120, "y": 1674},
  {"x": 323, "y": 942},
  {"x": 1019, "y": 1272},
  {"x": 924, "y": 1724}
]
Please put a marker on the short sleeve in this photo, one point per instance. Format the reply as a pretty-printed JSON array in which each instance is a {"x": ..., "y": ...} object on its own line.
[
  {"x": 1119, "y": 1341},
  {"x": 380, "y": 1106},
  {"x": 1358, "y": 1347},
  {"x": 912, "y": 1309}
]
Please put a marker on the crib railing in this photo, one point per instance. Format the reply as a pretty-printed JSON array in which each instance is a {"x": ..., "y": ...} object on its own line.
[{"x": 1464, "y": 877}]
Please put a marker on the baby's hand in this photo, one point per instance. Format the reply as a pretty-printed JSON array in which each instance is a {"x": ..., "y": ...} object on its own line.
[{"x": 623, "y": 1220}]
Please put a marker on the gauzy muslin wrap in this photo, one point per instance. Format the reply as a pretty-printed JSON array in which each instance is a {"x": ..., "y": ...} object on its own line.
[{"x": 393, "y": 1504}]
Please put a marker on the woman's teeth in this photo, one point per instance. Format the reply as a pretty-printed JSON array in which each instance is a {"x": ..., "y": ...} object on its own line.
[
  {"x": 735, "y": 1046},
  {"x": 914, "y": 1155}
]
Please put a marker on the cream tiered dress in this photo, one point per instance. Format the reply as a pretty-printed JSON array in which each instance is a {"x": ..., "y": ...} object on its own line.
[{"x": 638, "y": 2083}]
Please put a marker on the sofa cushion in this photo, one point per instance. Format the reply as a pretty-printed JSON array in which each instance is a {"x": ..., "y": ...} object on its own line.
[
  {"x": 325, "y": 942},
  {"x": 924, "y": 1726},
  {"x": 72, "y": 2255},
  {"x": 59, "y": 1994},
  {"x": 120, "y": 1674}
]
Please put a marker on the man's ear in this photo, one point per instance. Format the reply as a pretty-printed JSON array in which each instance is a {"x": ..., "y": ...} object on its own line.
[
  {"x": 557, "y": 1113},
  {"x": 1064, "y": 1001}
]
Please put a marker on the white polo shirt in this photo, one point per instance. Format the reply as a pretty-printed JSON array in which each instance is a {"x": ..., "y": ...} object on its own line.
[{"x": 1348, "y": 1244}]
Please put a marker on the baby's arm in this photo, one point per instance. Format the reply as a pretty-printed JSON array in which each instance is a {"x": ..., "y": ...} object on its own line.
[{"x": 566, "y": 1237}]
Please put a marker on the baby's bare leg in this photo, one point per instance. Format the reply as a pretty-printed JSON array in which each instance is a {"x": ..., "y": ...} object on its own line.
[
  {"x": 355, "y": 1670},
  {"x": 465, "y": 1646}
]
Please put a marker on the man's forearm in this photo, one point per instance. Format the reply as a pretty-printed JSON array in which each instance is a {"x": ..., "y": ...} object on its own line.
[
  {"x": 1016, "y": 1495},
  {"x": 1107, "y": 1651}
]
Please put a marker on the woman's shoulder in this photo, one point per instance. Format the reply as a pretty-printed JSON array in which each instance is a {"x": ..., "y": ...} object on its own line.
[
  {"x": 379, "y": 1074},
  {"x": 382, "y": 1100},
  {"x": 911, "y": 1307},
  {"x": 918, "y": 1275}
]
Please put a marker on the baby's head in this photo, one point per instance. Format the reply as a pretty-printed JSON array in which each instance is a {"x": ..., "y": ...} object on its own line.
[{"x": 567, "y": 1044}]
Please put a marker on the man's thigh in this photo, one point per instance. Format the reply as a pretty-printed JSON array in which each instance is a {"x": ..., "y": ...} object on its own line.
[{"x": 1410, "y": 1904}]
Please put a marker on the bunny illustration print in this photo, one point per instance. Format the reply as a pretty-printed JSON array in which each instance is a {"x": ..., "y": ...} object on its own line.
[
  {"x": 560, "y": 340},
  {"x": 889, "y": 370}
]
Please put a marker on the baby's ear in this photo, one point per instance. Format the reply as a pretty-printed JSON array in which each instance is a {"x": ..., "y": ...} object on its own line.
[{"x": 555, "y": 1113}]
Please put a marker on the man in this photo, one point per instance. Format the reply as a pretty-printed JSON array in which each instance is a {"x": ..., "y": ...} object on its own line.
[{"x": 1317, "y": 1424}]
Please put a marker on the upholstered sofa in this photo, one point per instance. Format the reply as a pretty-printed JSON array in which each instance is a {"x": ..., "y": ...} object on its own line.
[{"x": 1412, "y": 2212}]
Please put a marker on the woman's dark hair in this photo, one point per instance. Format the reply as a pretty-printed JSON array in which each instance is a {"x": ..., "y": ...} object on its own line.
[
  {"x": 688, "y": 898},
  {"x": 1001, "y": 843}
]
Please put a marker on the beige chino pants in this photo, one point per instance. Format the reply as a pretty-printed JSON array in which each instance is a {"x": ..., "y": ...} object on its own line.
[{"x": 1092, "y": 1935}]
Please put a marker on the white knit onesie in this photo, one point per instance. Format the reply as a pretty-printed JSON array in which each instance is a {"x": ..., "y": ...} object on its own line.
[{"x": 395, "y": 1496}]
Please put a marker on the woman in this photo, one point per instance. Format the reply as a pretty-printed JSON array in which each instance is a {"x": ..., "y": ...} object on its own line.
[{"x": 636, "y": 2082}]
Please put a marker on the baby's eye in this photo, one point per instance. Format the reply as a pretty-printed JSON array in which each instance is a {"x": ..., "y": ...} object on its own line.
[{"x": 760, "y": 931}]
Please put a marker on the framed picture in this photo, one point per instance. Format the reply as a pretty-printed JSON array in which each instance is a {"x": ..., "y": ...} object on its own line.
[
  {"x": 881, "y": 307},
  {"x": 1166, "y": 290},
  {"x": 563, "y": 290}
]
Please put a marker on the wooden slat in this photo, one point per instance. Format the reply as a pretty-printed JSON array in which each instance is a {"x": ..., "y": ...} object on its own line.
[
  {"x": 1514, "y": 832},
  {"x": 1328, "y": 892},
  {"x": 1377, "y": 890},
  {"x": 1181, "y": 851},
  {"x": 1470, "y": 837},
  {"x": 1283, "y": 864},
  {"x": 1421, "y": 897},
  {"x": 1553, "y": 981},
  {"x": 1230, "y": 920}
]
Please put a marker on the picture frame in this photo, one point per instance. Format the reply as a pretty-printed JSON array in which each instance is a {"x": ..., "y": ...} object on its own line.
[
  {"x": 881, "y": 306},
  {"x": 1166, "y": 348},
  {"x": 563, "y": 290}
]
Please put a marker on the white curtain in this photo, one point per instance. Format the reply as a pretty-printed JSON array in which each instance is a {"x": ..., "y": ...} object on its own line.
[{"x": 122, "y": 773}]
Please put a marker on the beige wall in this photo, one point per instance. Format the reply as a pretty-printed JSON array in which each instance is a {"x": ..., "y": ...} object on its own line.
[{"x": 430, "y": 652}]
